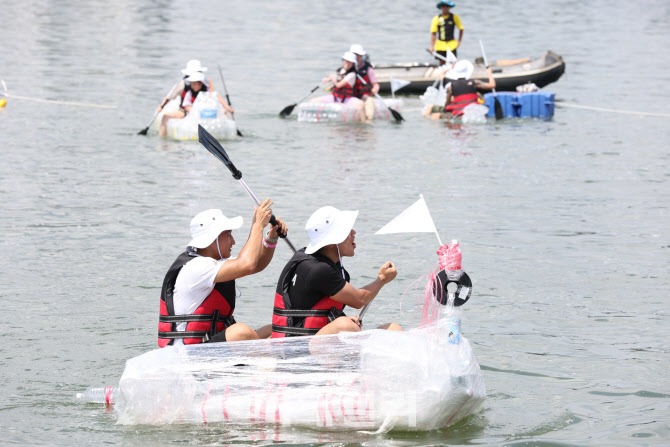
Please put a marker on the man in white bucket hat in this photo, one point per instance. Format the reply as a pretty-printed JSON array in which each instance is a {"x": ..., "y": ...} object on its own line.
[
  {"x": 314, "y": 287},
  {"x": 461, "y": 91},
  {"x": 198, "y": 293}
]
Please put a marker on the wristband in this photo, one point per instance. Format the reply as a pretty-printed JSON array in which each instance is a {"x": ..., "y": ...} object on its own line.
[
  {"x": 266, "y": 245},
  {"x": 270, "y": 240}
]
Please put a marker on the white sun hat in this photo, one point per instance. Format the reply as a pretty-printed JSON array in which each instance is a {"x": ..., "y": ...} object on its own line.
[
  {"x": 328, "y": 225},
  {"x": 357, "y": 49},
  {"x": 192, "y": 66},
  {"x": 196, "y": 77},
  {"x": 349, "y": 56},
  {"x": 208, "y": 225},
  {"x": 463, "y": 69}
]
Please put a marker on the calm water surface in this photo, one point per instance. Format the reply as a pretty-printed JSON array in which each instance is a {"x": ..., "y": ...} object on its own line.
[{"x": 564, "y": 224}]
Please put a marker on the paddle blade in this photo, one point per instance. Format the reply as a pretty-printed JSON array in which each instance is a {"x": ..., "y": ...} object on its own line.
[
  {"x": 498, "y": 109},
  {"x": 215, "y": 148},
  {"x": 239, "y": 134},
  {"x": 398, "y": 117},
  {"x": 143, "y": 131},
  {"x": 287, "y": 110}
]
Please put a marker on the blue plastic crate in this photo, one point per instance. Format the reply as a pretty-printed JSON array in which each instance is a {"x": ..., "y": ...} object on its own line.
[{"x": 521, "y": 105}]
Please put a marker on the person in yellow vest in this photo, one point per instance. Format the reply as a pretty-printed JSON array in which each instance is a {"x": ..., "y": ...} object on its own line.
[{"x": 442, "y": 31}]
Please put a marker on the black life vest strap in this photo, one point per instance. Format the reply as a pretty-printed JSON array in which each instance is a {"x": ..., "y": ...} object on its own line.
[
  {"x": 294, "y": 330},
  {"x": 182, "y": 334},
  {"x": 192, "y": 318},
  {"x": 301, "y": 313}
]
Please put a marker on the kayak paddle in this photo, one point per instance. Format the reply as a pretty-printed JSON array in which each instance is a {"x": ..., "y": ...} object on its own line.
[
  {"x": 497, "y": 106},
  {"x": 239, "y": 134},
  {"x": 213, "y": 146},
  {"x": 398, "y": 117},
  {"x": 288, "y": 109},
  {"x": 146, "y": 129}
]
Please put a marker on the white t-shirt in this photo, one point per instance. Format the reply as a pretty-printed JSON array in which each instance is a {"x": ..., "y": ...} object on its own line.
[{"x": 194, "y": 283}]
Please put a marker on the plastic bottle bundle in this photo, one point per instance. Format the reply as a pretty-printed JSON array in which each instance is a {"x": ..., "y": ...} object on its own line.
[
  {"x": 434, "y": 96},
  {"x": 316, "y": 112},
  {"x": 475, "y": 113},
  {"x": 420, "y": 379}
]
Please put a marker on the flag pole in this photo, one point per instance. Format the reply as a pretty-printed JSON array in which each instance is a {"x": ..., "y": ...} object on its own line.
[{"x": 436, "y": 233}]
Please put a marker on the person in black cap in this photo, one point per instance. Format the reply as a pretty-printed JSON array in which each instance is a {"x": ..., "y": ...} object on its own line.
[{"x": 442, "y": 31}]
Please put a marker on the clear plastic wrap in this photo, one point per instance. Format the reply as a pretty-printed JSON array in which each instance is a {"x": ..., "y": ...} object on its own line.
[
  {"x": 421, "y": 379},
  {"x": 317, "y": 112},
  {"x": 206, "y": 111}
]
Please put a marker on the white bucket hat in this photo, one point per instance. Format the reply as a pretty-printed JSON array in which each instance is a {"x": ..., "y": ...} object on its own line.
[
  {"x": 463, "y": 69},
  {"x": 208, "y": 225},
  {"x": 196, "y": 77},
  {"x": 192, "y": 66},
  {"x": 357, "y": 49},
  {"x": 328, "y": 225},
  {"x": 349, "y": 56}
]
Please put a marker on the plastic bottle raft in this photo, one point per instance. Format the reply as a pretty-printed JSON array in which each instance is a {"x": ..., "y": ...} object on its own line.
[
  {"x": 421, "y": 379},
  {"x": 317, "y": 112},
  {"x": 206, "y": 111}
]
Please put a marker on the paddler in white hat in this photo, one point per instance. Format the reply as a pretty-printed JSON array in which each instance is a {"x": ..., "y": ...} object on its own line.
[
  {"x": 343, "y": 81},
  {"x": 199, "y": 292},
  {"x": 461, "y": 91},
  {"x": 192, "y": 66},
  {"x": 368, "y": 89},
  {"x": 314, "y": 287}
]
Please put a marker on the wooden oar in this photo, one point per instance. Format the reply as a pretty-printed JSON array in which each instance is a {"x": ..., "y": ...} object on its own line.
[
  {"x": 497, "y": 106},
  {"x": 146, "y": 129},
  {"x": 398, "y": 117},
  {"x": 215, "y": 148},
  {"x": 286, "y": 111},
  {"x": 239, "y": 134}
]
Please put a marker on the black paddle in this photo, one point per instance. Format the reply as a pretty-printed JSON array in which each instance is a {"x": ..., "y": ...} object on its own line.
[
  {"x": 497, "y": 106},
  {"x": 398, "y": 117},
  {"x": 239, "y": 134},
  {"x": 213, "y": 146},
  {"x": 288, "y": 109},
  {"x": 146, "y": 129}
]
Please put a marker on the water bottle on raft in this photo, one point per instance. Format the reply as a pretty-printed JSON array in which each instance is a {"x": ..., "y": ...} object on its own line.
[
  {"x": 452, "y": 287},
  {"x": 100, "y": 395}
]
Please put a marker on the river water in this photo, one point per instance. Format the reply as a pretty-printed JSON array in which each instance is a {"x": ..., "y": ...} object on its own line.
[{"x": 564, "y": 224}]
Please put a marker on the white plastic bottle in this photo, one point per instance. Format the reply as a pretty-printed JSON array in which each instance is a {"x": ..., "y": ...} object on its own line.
[{"x": 100, "y": 395}]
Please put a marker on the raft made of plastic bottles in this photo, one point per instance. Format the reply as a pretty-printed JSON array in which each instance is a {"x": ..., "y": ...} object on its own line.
[
  {"x": 206, "y": 111},
  {"x": 317, "y": 112},
  {"x": 421, "y": 379}
]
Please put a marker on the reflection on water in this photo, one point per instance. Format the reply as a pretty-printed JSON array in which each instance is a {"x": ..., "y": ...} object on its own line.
[{"x": 562, "y": 222}]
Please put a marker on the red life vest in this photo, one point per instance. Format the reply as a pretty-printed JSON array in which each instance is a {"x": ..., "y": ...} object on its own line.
[
  {"x": 463, "y": 93},
  {"x": 288, "y": 322},
  {"x": 213, "y": 315},
  {"x": 344, "y": 92},
  {"x": 194, "y": 94},
  {"x": 362, "y": 89}
]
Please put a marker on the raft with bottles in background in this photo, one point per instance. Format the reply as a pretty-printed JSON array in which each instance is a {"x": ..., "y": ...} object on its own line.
[{"x": 206, "y": 111}]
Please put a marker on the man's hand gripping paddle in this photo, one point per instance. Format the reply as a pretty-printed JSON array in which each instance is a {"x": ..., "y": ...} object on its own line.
[{"x": 213, "y": 146}]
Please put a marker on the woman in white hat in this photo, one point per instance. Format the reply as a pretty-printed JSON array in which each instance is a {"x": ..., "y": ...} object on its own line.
[
  {"x": 314, "y": 287},
  {"x": 461, "y": 91},
  {"x": 193, "y": 83},
  {"x": 343, "y": 81},
  {"x": 179, "y": 90},
  {"x": 198, "y": 293},
  {"x": 365, "y": 90}
]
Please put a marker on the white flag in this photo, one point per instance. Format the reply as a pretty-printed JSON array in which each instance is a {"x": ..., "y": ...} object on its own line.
[
  {"x": 415, "y": 219},
  {"x": 397, "y": 84}
]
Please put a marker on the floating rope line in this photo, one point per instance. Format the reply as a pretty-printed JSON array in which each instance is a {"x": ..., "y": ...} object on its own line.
[
  {"x": 601, "y": 109},
  {"x": 51, "y": 101}
]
